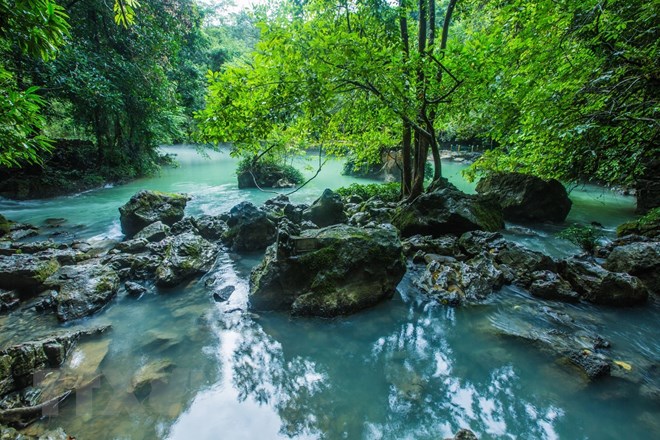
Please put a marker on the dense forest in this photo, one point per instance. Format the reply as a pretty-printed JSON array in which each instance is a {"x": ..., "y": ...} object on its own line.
[{"x": 562, "y": 89}]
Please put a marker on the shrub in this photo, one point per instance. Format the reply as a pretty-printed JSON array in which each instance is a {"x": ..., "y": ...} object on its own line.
[
  {"x": 387, "y": 192},
  {"x": 584, "y": 236}
]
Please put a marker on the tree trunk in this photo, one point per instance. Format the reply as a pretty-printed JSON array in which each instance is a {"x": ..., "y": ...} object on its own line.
[{"x": 406, "y": 175}]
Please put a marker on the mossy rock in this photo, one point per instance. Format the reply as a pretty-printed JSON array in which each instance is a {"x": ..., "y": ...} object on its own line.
[
  {"x": 349, "y": 269},
  {"x": 648, "y": 225},
  {"x": 147, "y": 207}
]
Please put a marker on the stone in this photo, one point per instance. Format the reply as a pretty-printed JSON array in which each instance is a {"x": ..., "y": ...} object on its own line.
[
  {"x": 340, "y": 270},
  {"x": 250, "y": 229},
  {"x": 646, "y": 226},
  {"x": 134, "y": 289},
  {"x": 211, "y": 227},
  {"x": 445, "y": 245},
  {"x": 24, "y": 272},
  {"x": 524, "y": 262},
  {"x": 447, "y": 211},
  {"x": 464, "y": 434},
  {"x": 153, "y": 373},
  {"x": 548, "y": 285},
  {"x": 593, "y": 365},
  {"x": 477, "y": 242},
  {"x": 223, "y": 294},
  {"x": 326, "y": 210},
  {"x": 600, "y": 286},
  {"x": 527, "y": 198},
  {"x": 185, "y": 256},
  {"x": 458, "y": 283},
  {"x": 641, "y": 259},
  {"x": 8, "y": 433},
  {"x": 9, "y": 300},
  {"x": 147, "y": 207},
  {"x": 82, "y": 290},
  {"x": 132, "y": 246},
  {"x": 154, "y": 232}
]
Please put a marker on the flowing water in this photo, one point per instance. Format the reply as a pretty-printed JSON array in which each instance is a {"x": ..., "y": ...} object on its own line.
[{"x": 407, "y": 369}]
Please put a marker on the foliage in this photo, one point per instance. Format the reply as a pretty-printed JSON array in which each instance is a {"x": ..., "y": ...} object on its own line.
[
  {"x": 648, "y": 225},
  {"x": 387, "y": 192},
  {"x": 343, "y": 77},
  {"x": 586, "y": 237},
  {"x": 268, "y": 165},
  {"x": 566, "y": 89}
]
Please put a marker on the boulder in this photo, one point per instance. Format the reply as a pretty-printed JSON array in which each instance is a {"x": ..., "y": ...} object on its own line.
[
  {"x": 185, "y": 255},
  {"x": 447, "y": 211},
  {"x": 527, "y": 198},
  {"x": 549, "y": 285},
  {"x": 640, "y": 259},
  {"x": 332, "y": 271},
  {"x": 82, "y": 290},
  {"x": 211, "y": 227},
  {"x": 134, "y": 289},
  {"x": 147, "y": 207},
  {"x": 250, "y": 229},
  {"x": 153, "y": 232},
  {"x": 26, "y": 272},
  {"x": 9, "y": 300},
  {"x": 457, "y": 283},
  {"x": 326, "y": 210},
  {"x": 445, "y": 245},
  {"x": 477, "y": 242},
  {"x": 600, "y": 286},
  {"x": 464, "y": 434}
]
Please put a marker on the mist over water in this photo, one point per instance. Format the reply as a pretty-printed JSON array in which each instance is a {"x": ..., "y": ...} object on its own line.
[{"x": 407, "y": 369}]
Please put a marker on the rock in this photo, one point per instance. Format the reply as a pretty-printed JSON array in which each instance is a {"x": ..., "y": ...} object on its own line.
[
  {"x": 549, "y": 285},
  {"x": 267, "y": 174},
  {"x": 18, "y": 363},
  {"x": 447, "y": 211},
  {"x": 373, "y": 210},
  {"x": 284, "y": 183},
  {"x": 445, "y": 245},
  {"x": 223, "y": 294},
  {"x": 82, "y": 290},
  {"x": 646, "y": 226},
  {"x": 527, "y": 198},
  {"x": 477, "y": 242},
  {"x": 134, "y": 289},
  {"x": 326, "y": 210},
  {"x": 640, "y": 259},
  {"x": 600, "y": 286},
  {"x": 524, "y": 262},
  {"x": 148, "y": 207},
  {"x": 458, "y": 283},
  {"x": 464, "y": 434},
  {"x": 593, "y": 365},
  {"x": 185, "y": 255},
  {"x": 132, "y": 246},
  {"x": 250, "y": 229},
  {"x": 153, "y": 232},
  {"x": 153, "y": 373},
  {"x": 211, "y": 227},
  {"x": 7, "y": 433},
  {"x": 281, "y": 207},
  {"x": 9, "y": 300},
  {"x": 343, "y": 270},
  {"x": 186, "y": 224},
  {"x": 26, "y": 272}
]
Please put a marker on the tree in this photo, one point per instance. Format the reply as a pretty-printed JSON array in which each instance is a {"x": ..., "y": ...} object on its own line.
[
  {"x": 344, "y": 77},
  {"x": 565, "y": 89}
]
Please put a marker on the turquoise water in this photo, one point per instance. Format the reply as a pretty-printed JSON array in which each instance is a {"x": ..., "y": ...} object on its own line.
[{"x": 407, "y": 369}]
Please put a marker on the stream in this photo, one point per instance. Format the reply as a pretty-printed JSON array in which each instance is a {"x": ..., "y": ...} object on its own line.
[{"x": 407, "y": 369}]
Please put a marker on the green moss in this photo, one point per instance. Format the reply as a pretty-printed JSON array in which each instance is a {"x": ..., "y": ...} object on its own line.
[
  {"x": 489, "y": 217},
  {"x": 46, "y": 269},
  {"x": 105, "y": 284},
  {"x": 387, "y": 192},
  {"x": 648, "y": 225},
  {"x": 320, "y": 259},
  {"x": 5, "y": 225}
]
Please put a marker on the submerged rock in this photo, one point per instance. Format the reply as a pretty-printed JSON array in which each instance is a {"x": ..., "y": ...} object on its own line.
[
  {"x": 7, "y": 433},
  {"x": 185, "y": 255},
  {"x": 326, "y": 210},
  {"x": 342, "y": 270},
  {"x": 82, "y": 290},
  {"x": 527, "y": 198},
  {"x": 600, "y": 286},
  {"x": 147, "y": 207},
  {"x": 250, "y": 229},
  {"x": 641, "y": 259},
  {"x": 464, "y": 434},
  {"x": 448, "y": 211},
  {"x": 150, "y": 375}
]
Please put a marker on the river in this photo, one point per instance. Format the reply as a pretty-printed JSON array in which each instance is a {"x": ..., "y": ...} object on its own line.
[{"x": 407, "y": 369}]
